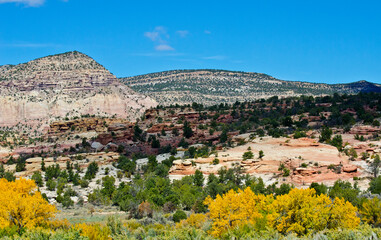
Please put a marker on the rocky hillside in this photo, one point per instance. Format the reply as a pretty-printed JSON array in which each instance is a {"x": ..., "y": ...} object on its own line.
[
  {"x": 64, "y": 85},
  {"x": 216, "y": 86}
]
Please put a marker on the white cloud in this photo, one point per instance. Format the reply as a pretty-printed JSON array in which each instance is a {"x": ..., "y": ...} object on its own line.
[
  {"x": 159, "y": 54},
  {"x": 160, "y": 37},
  {"x": 183, "y": 33},
  {"x": 217, "y": 57},
  {"x": 152, "y": 35},
  {"x": 31, "y": 3},
  {"x": 164, "y": 47},
  {"x": 159, "y": 34},
  {"x": 207, "y": 32}
]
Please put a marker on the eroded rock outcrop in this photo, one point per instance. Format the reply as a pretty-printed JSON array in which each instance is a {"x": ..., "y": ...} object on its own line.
[
  {"x": 364, "y": 130},
  {"x": 64, "y": 85},
  {"x": 89, "y": 124},
  {"x": 297, "y": 161},
  {"x": 83, "y": 159}
]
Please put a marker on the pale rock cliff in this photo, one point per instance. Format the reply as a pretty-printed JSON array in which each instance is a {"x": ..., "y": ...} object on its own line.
[{"x": 65, "y": 85}]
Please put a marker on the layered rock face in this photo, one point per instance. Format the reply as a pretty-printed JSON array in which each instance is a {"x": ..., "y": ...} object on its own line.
[{"x": 64, "y": 85}]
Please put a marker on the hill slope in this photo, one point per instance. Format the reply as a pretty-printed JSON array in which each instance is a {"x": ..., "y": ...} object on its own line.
[
  {"x": 218, "y": 86},
  {"x": 64, "y": 85}
]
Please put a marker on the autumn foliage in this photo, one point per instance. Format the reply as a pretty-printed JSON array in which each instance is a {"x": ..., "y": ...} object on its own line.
[
  {"x": 93, "y": 231},
  {"x": 301, "y": 211},
  {"x": 196, "y": 220},
  {"x": 236, "y": 209},
  {"x": 21, "y": 205},
  {"x": 371, "y": 212}
]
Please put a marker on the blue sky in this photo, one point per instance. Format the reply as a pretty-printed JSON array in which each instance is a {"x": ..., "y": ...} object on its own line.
[{"x": 318, "y": 41}]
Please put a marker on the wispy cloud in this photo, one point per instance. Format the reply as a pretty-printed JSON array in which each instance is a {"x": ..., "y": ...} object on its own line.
[
  {"x": 183, "y": 33},
  {"x": 30, "y": 3},
  {"x": 217, "y": 57},
  {"x": 207, "y": 32},
  {"x": 160, "y": 38},
  {"x": 158, "y": 54},
  {"x": 152, "y": 35},
  {"x": 164, "y": 47}
]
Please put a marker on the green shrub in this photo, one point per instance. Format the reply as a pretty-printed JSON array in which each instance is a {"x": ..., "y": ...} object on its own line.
[
  {"x": 299, "y": 134},
  {"x": 248, "y": 155},
  {"x": 179, "y": 215},
  {"x": 84, "y": 183},
  {"x": 51, "y": 185},
  {"x": 261, "y": 154},
  {"x": 92, "y": 170},
  {"x": 286, "y": 172},
  {"x": 375, "y": 185},
  {"x": 37, "y": 178},
  {"x": 319, "y": 188},
  {"x": 20, "y": 165}
]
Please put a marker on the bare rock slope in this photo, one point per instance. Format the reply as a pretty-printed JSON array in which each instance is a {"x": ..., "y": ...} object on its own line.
[{"x": 64, "y": 85}]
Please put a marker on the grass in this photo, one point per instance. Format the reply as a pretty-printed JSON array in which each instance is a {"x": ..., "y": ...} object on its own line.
[{"x": 83, "y": 214}]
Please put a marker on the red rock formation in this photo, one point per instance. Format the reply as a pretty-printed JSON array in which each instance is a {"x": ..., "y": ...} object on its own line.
[{"x": 364, "y": 130}]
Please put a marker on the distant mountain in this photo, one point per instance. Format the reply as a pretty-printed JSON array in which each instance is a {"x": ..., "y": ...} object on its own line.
[
  {"x": 356, "y": 87},
  {"x": 64, "y": 85},
  {"x": 66, "y": 70},
  {"x": 219, "y": 86},
  {"x": 73, "y": 84}
]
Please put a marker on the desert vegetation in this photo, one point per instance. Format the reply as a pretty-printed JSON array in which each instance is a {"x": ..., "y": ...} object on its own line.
[
  {"x": 248, "y": 213},
  {"x": 228, "y": 171}
]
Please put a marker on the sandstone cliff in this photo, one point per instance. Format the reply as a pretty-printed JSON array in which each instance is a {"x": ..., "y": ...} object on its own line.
[{"x": 64, "y": 85}]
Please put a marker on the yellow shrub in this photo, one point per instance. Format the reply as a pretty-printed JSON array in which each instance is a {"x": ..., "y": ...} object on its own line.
[
  {"x": 59, "y": 224},
  {"x": 236, "y": 209},
  {"x": 196, "y": 220},
  {"x": 93, "y": 231},
  {"x": 22, "y": 205},
  {"x": 371, "y": 212},
  {"x": 343, "y": 215},
  {"x": 132, "y": 224},
  {"x": 300, "y": 211}
]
